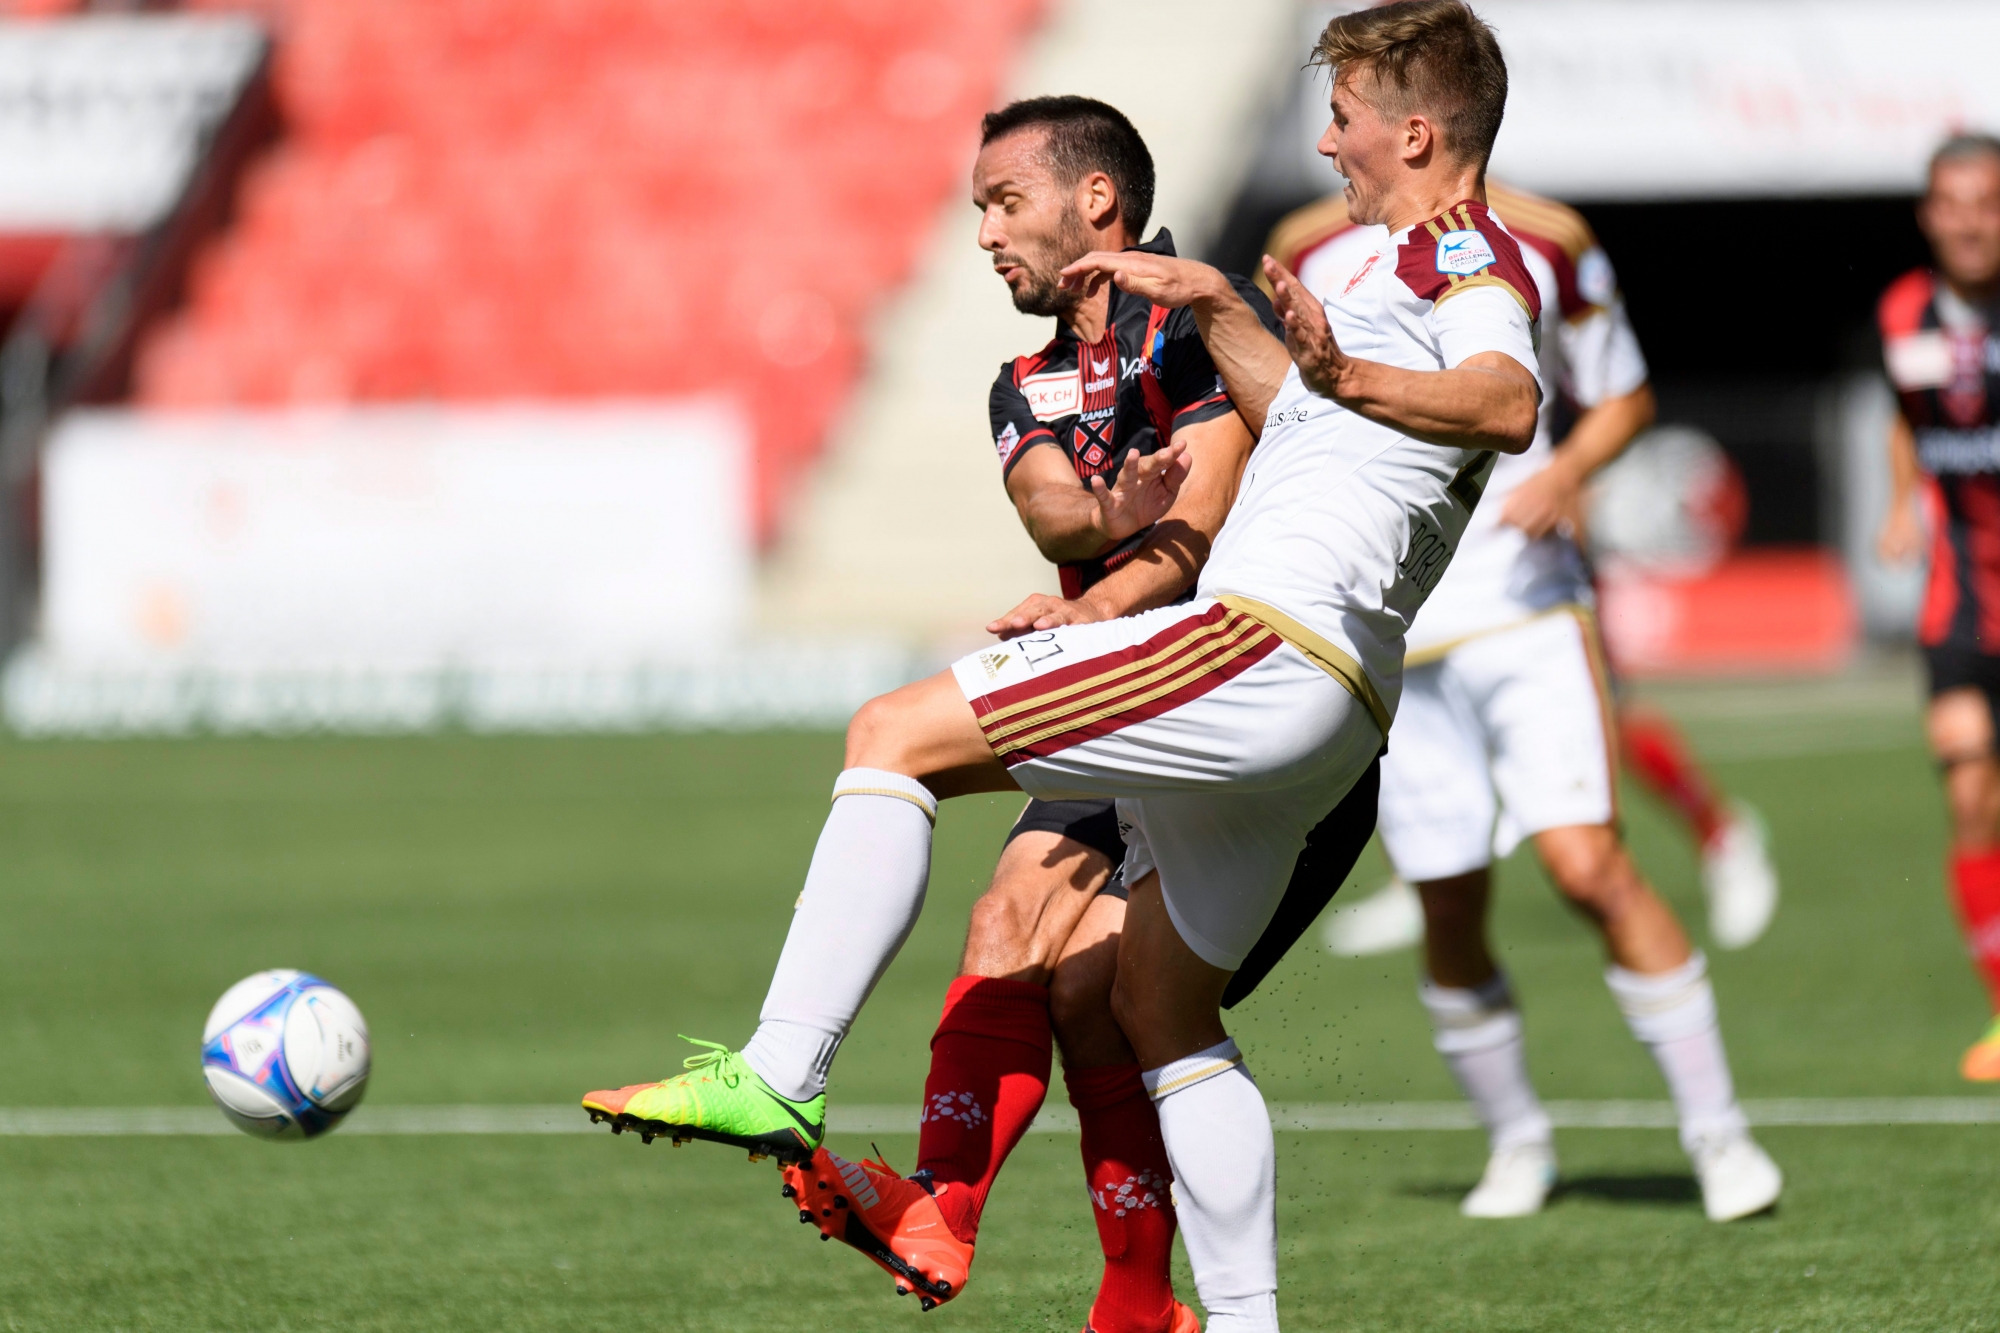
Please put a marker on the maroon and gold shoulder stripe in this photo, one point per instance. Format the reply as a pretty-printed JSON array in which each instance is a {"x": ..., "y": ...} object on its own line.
[{"x": 1418, "y": 263}]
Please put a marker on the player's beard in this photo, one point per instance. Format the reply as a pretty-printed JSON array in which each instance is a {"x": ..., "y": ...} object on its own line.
[{"x": 1042, "y": 293}]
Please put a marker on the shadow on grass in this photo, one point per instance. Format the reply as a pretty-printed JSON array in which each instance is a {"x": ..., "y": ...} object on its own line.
[
  {"x": 1653, "y": 1188},
  {"x": 1650, "y": 1190}
]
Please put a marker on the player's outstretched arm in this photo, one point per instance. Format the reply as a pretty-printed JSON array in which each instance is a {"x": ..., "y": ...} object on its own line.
[
  {"x": 1166, "y": 563},
  {"x": 1071, "y": 521},
  {"x": 1488, "y": 401},
  {"x": 1555, "y": 494},
  {"x": 1251, "y": 362}
]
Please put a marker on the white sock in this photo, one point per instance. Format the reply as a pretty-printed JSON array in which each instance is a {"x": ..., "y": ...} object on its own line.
[
  {"x": 1478, "y": 1032},
  {"x": 1673, "y": 1014},
  {"x": 1218, "y": 1137},
  {"x": 862, "y": 895}
]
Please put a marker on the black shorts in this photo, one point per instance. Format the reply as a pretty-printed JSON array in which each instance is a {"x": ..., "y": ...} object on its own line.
[
  {"x": 1092, "y": 823},
  {"x": 1954, "y": 666},
  {"x": 1331, "y": 850}
]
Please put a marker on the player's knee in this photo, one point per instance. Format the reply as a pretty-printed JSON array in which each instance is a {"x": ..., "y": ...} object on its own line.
[
  {"x": 1589, "y": 867},
  {"x": 1128, "y": 1005},
  {"x": 1001, "y": 920},
  {"x": 1081, "y": 990},
  {"x": 872, "y": 736}
]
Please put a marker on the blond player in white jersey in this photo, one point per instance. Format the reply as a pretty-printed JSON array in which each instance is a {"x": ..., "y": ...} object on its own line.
[
  {"x": 1505, "y": 733},
  {"x": 1225, "y": 728}
]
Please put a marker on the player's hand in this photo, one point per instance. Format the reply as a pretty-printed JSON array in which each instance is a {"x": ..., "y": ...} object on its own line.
[
  {"x": 1143, "y": 491},
  {"x": 1162, "y": 279},
  {"x": 1308, "y": 337},
  {"x": 1901, "y": 540},
  {"x": 1543, "y": 502},
  {"x": 1042, "y": 611}
]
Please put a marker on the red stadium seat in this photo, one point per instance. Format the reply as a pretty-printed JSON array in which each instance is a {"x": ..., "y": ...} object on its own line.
[{"x": 488, "y": 199}]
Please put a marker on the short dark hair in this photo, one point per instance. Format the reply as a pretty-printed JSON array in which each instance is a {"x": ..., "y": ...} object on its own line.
[
  {"x": 1085, "y": 135},
  {"x": 1429, "y": 55},
  {"x": 1963, "y": 145}
]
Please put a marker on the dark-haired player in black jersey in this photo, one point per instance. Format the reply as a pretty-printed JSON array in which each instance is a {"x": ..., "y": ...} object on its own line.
[
  {"x": 1121, "y": 417},
  {"x": 1941, "y": 339}
]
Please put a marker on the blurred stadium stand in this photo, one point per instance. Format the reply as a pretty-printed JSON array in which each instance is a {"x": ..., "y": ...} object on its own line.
[
  {"x": 462, "y": 205},
  {"x": 908, "y": 528},
  {"x": 508, "y": 199}
]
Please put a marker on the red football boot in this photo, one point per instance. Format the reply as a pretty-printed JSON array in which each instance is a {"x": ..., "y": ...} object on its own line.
[{"x": 893, "y": 1221}]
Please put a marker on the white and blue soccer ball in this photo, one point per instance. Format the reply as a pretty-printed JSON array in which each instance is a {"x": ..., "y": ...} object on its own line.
[{"x": 285, "y": 1055}]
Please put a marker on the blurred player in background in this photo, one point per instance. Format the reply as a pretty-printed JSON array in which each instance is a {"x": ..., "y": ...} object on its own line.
[
  {"x": 1939, "y": 340},
  {"x": 1505, "y": 734},
  {"x": 1740, "y": 883}
]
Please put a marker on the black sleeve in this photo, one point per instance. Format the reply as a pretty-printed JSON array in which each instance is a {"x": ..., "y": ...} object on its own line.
[
  {"x": 1014, "y": 426},
  {"x": 1193, "y": 386}
]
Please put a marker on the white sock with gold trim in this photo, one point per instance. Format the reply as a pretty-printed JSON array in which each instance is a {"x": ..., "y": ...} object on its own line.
[
  {"x": 862, "y": 895},
  {"x": 1674, "y": 1014},
  {"x": 1218, "y": 1137},
  {"x": 1478, "y": 1032}
]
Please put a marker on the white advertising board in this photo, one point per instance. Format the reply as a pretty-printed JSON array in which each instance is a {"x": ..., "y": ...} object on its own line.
[
  {"x": 395, "y": 539},
  {"x": 1619, "y": 99}
]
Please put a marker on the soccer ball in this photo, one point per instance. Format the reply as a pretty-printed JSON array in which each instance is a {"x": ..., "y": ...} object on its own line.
[{"x": 285, "y": 1055}]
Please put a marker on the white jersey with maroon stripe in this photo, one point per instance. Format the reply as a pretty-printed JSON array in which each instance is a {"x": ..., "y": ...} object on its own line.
[
  {"x": 1499, "y": 577},
  {"x": 1345, "y": 524}
]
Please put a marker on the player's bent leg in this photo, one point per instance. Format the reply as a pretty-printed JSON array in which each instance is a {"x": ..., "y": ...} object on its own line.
[
  {"x": 925, "y": 731},
  {"x": 1456, "y": 952},
  {"x": 1476, "y": 1028},
  {"x": 990, "y": 1056},
  {"x": 861, "y": 898},
  {"x": 1592, "y": 870},
  {"x": 1125, "y": 1163},
  {"x": 1080, "y": 995},
  {"x": 1213, "y": 1121},
  {"x": 1043, "y": 885},
  {"x": 1960, "y": 723},
  {"x": 1661, "y": 985},
  {"x": 1737, "y": 876}
]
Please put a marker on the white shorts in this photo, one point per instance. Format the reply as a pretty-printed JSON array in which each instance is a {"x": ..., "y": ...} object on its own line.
[
  {"x": 1224, "y": 743},
  {"x": 1505, "y": 736}
]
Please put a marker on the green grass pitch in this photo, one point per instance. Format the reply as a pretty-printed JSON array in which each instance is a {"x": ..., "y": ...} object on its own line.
[{"x": 523, "y": 919}]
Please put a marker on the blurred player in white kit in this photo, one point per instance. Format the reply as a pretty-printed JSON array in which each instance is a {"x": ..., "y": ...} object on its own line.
[
  {"x": 1588, "y": 353},
  {"x": 1506, "y": 732}
]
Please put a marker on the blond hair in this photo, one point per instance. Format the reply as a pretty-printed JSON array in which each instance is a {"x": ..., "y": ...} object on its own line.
[{"x": 1430, "y": 56}]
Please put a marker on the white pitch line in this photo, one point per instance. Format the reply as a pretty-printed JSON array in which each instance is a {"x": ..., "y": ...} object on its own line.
[{"x": 1308, "y": 1117}]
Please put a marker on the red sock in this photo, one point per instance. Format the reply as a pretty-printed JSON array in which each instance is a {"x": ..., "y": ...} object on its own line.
[
  {"x": 1976, "y": 877},
  {"x": 1125, "y": 1161},
  {"x": 989, "y": 1075},
  {"x": 1655, "y": 752}
]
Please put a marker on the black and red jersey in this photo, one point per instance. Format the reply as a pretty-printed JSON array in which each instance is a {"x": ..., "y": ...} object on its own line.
[
  {"x": 1944, "y": 360},
  {"x": 1145, "y": 378}
]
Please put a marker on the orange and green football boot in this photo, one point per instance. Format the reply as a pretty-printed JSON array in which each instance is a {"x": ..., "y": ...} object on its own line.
[
  {"x": 719, "y": 1098},
  {"x": 893, "y": 1221},
  {"x": 1982, "y": 1062}
]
